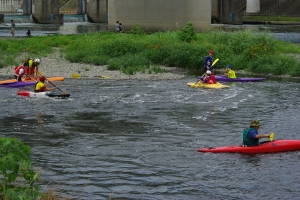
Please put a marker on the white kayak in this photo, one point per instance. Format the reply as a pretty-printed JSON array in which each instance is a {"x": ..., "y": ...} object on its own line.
[{"x": 42, "y": 94}]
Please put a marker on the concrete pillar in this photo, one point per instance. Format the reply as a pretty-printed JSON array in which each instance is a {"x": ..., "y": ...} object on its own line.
[
  {"x": 27, "y": 7},
  {"x": 46, "y": 12},
  {"x": 253, "y": 6},
  {"x": 97, "y": 10},
  {"x": 232, "y": 11},
  {"x": 1, "y": 18},
  {"x": 159, "y": 15}
]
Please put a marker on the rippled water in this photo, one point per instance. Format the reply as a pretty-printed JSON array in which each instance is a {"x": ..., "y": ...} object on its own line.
[{"x": 139, "y": 139}]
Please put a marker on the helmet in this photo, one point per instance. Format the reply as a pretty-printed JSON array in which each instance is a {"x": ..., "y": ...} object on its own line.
[
  {"x": 42, "y": 78},
  {"x": 211, "y": 51},
  {"x": 37, "y": 61},
  {"x": 254, "y": 123},
  {"x": 229, "y": 66},
  {"x": 208, "y": 72}
]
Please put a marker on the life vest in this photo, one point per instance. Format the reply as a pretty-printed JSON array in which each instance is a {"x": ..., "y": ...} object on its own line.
[
  {"x": 26, "y": 63},
  {"x": 211, "y": 80},
  {"x": 231, "y": 74},
  {"x": 17, "y": 70},
  {"x": 39, "y": 87},
  {"x": 249, "y": 141}
]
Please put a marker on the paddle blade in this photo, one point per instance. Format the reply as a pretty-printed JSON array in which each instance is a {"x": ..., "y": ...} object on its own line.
[
  {"x": 76, "y": 75},
  {"x": 271, "y": 137},
  {"x": 215, "y": 61}
]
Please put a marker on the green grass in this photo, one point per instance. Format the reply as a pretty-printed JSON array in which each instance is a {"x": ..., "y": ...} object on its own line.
[{"x": 131, "y": 53}]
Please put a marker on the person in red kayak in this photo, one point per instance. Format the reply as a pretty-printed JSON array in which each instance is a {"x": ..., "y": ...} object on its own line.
[
  {"x": 209, "y": 78},
  {"x": 251, "y": 136},
  {"x": 19, "y": 72},
  {"x": 40, "y": 86}
]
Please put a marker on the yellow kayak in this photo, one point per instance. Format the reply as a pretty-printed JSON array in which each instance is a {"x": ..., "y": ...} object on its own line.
[
  {"x": 27, "y": 79},
  {"x": 208, "y": 86}
]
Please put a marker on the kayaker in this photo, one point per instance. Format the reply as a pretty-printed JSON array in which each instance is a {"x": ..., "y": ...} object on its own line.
[
  {"x": 19, "y": 72},
  {"x": 230, "y": 73},
  {"x": 208, "y": 60},
  {"x": 40, "y": 86},
  {"x": 209, "y": 78},
  {"x": 251, "y": 136}
]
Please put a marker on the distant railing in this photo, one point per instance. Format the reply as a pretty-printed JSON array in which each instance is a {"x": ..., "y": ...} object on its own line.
[{"x": 67, "y": 12}]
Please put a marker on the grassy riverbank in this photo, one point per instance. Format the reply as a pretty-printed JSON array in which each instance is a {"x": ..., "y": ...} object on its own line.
[{"x": 244, "y": 50}]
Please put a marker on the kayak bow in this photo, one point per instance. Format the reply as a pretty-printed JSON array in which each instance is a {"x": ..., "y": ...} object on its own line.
[{"x": 226, "y": 79}]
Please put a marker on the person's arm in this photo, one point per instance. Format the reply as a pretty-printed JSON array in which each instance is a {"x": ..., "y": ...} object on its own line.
[
  {"x": 49, "y": 88},
  {"x": 259, "y": 136}
]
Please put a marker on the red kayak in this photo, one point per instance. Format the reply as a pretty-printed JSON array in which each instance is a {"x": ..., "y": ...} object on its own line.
[{"x": 266, "y": 147}]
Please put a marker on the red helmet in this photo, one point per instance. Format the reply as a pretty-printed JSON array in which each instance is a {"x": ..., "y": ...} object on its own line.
[{"x": 42, "y": 78}]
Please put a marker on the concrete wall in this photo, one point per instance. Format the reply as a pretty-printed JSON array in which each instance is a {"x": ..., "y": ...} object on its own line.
[
  {"x": 159, "y": 15},
  {"x": 46, "y": 12},
  {"x": 97, "y": 10}
]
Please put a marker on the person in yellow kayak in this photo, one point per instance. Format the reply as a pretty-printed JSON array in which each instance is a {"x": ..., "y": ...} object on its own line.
[
  {"x": 40, "y": 86},
  {"x": 230, "y": 73},
  {"x": 251, "y": 136}
]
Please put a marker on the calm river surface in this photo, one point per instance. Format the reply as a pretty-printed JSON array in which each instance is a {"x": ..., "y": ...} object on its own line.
[{"x": 139, "y": 139}]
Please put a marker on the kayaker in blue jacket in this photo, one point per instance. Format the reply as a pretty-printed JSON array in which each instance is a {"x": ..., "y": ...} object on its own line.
[
  {"x": 208, "y": 60},
  {"x": 251, "y": 136}
]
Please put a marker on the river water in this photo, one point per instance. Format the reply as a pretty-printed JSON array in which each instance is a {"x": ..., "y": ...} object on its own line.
[{"x": 139, "y": 139}]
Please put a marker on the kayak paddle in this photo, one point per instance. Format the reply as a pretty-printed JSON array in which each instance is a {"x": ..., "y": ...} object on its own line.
[
  {"x": 51, "y": 82},
  {"x": 215, "y": 62},
  {"x": 271, "y": 137}
]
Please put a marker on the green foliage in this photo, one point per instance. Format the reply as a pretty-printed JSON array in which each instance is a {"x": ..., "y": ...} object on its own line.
[
  {"x": 254, "y": 52},
  {"x": 188, "y": 33},
  {"x": 137, "y": 29},
  {"x": 15, "y": 160},
  {"x": 129, "y": 64}
]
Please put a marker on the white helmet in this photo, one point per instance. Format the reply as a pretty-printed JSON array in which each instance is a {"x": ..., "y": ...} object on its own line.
[
  {"x": 37, "y": 61},
  {"x": 208, "y": 72}
]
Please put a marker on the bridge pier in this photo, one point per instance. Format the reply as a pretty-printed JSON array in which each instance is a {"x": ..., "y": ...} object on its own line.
[
  {"x": 44, "y": 12},
  {"x": 97, "y": 11}
]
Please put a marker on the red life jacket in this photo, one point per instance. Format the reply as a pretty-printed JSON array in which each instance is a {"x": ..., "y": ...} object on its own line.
[
  {"x": 211, "y": 80},
  {"x": 18, "y": 69}
]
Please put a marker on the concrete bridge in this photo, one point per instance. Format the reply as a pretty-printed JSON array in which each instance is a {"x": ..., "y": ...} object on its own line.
[{"x": 152, "y": 15}]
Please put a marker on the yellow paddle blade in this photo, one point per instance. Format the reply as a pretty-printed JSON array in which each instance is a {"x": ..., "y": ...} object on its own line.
[
  {"x": 215, "y": 62},
  {"x": 105, "y": 76},
  {"x": 76, "y": 75},
  {"x": 271, "y": 137}
]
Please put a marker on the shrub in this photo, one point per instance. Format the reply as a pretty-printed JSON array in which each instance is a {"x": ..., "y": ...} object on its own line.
[
  {"x": 137, "y": 29},
  {"x": 15, "y": 160},
  {"x": 188, "y": 33}
]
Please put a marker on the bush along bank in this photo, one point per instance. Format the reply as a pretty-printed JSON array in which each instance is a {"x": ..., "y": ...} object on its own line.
[{"x": 136, "y": 51}]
